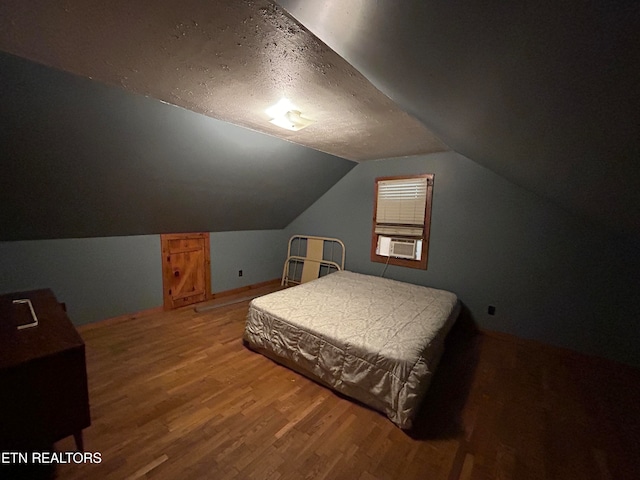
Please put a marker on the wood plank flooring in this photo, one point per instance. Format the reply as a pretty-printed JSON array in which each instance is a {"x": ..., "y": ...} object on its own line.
[{"x": 177, "y": 396}]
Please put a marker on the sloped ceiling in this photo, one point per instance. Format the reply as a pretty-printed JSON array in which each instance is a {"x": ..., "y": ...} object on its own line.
[
  {"x": 84, "y": 159},
  {"x": 228, "y": 59},
  {"x": 544, "y": 93}
]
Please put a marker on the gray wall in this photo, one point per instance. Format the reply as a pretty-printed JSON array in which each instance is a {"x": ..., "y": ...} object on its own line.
[
  {"x": 552, "y": 277},
  {"x": 97, "y": 278},
  {"x": 544, "y": 93},
  {"x": 82, "y": 159},
  {"x": 100, "y": 278},
  {"x": 259, "y": 254}
]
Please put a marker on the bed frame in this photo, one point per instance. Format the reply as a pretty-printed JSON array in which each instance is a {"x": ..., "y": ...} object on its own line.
[{"x": 314, "y": 257}]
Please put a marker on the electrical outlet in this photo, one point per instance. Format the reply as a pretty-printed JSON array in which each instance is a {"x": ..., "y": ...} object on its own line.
[
  {"x": 491, "y": 310},
  {"x": 239, "y": 273}
]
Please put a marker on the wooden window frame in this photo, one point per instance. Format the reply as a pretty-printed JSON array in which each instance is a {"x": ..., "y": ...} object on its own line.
[{"x": 403, "y": 262}]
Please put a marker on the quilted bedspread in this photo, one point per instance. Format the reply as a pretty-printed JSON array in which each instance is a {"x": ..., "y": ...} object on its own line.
[{"x": 374, "y": 339}]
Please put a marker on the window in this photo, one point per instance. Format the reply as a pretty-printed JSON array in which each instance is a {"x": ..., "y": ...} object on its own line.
[{"x": 401, "y": 220}]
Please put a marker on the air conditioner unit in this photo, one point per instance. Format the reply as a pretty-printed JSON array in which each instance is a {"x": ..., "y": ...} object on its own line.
[{"x": 402, "y": 248}]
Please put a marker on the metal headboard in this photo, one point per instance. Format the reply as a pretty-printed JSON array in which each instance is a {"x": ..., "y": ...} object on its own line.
[{"x": 310, "y": 257}]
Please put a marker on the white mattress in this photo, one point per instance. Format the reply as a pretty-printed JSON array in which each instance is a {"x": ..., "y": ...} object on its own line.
[{"x": 373, "y": 339}]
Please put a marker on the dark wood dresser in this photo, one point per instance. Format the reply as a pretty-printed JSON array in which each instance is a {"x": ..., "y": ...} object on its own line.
[{"x": 43, "y": 376}]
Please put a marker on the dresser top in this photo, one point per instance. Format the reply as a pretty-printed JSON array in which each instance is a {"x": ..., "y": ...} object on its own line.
[{"x": 54, "y": 333}]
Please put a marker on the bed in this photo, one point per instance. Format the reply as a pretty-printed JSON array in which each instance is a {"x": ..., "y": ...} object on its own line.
[{"x": 373, "y": 339}]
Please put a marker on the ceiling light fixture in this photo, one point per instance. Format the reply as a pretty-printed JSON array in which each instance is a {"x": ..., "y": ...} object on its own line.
[{"x": 285, "y": 114}]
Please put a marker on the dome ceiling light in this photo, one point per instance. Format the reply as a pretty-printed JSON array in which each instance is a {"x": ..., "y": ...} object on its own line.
[{"x": 285, "y": 114}]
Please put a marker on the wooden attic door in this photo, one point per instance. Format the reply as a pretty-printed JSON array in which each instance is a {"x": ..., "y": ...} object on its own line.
[{"x": 186, "y": 272}]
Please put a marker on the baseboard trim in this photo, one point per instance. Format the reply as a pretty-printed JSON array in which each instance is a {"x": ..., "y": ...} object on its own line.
[
  {"x": 511, "y": 338},
  {"x": 565, "y": 352},
  {"x": 120, "y": 318},
  {"x": 152, "y": 311},
  {"x": 246, "y": 288}
]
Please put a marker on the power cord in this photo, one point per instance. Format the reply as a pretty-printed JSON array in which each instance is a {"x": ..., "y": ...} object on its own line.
[{"x": 385, "y": 266}]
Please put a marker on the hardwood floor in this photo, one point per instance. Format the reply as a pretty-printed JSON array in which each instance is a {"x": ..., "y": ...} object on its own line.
[{"x": 177, "y": 395}]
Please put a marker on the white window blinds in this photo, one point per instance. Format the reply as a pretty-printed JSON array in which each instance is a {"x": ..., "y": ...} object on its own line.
[{"x": 401, "y": 207}]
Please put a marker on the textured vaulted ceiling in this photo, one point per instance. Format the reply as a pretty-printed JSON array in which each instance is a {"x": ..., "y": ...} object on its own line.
[
  {"x": 544, "y": 93},
  {"x": 228, "y": 59}
]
